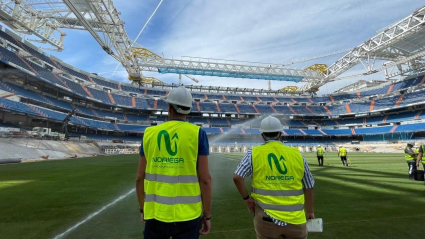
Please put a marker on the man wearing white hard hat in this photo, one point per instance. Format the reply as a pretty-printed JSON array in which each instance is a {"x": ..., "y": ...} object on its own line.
[
  {"x": 282, "y": 197},
  {"x": 320, "y": 154},
  {"x": 173, "y": 182},
  {"x": 410, "y": 157}
]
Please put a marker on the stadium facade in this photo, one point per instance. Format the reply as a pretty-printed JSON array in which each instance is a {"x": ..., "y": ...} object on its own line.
[{"x": 41, "y": 90}]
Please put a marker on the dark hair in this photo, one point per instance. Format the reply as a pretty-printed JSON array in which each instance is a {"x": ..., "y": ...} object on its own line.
[{"x": 271, "y": 135}]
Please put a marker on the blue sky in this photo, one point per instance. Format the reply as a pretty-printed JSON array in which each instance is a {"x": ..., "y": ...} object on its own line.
[{"x": 247, "y": 30}]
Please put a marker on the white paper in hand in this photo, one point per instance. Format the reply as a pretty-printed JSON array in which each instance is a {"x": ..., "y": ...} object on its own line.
[{"x": 315, "y": 225}]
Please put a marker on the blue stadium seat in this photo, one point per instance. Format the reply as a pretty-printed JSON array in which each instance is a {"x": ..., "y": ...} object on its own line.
[
  {"x": 132, "y": 128},
  {"x": 228, "y": 108},
  {"x": 337, "y": 131},
  {"x": 212, "y": 130},
  {"x": 264, "y": 109},
  {"x": 233, "y": 97},
  {"x": 122, "y": 100},
  {"x": 100, "y": 95},
  {"x": 215, "y": 97},
  {"x": 208, "y": 107},
  {"x": 109, "y": 84},
  {"x": 51, "y": 114},
  {"x": 374, "y": 130},
  {"x": 246, "y": 109}
]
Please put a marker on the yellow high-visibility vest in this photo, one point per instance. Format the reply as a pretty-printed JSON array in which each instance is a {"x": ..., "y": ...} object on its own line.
[
  {"x": 172, "y": 192},
  {"x": 342, "y": 152},
  {"x": 277, "y": 181},
  {"x": 319, "y": 152},
  {"x": 408, "y": 157}
]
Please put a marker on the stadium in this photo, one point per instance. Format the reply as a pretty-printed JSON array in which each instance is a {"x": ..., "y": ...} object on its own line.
[{"x": 70, "y": 139}]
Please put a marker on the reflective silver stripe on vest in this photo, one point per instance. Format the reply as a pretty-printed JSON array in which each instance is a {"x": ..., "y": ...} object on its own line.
[
  {"x": 171, "y": 179},
  {"x": 172, "y": 200},
  {"x": 285, "y": 208},
  {"x": 277, "y": 192}
]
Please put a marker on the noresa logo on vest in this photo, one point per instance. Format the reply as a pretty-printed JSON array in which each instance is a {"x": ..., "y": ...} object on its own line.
[
  {"x": 163, "y": 134},
  {"x": 278, "y": 163}
]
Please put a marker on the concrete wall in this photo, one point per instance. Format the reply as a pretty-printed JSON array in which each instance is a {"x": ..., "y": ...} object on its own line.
[{"x": 29, "y": 149}]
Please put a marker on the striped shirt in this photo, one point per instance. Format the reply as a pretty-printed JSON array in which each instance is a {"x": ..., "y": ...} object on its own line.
[{"x": 245, "y": 170}]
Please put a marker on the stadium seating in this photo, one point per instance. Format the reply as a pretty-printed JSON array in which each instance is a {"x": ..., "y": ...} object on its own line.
[
  {"x": 100, "y": 95},
  {"x": 208, "y": 107},
  {"x": 301, "y": 100},
  {"x": 293, "y": 132},
  {"x": 218, "y": 122},
  {"x": 233, "y": 97},
  {"x": 284, "y": 99},
  {"x": 122, "y": 100},
  {"x": 214, "y": 97},
  {"x": 282, "y": 109},
  {"x": 246, "y": 109},
  {"x": 250, "y": 98},
  {"x": 386, "y": 103},
  {"x": 50, "y": 113},
  {"x": 105, "y": 83},
  {"x": 264, "y": 109},
  {"x": 228, "y": 108},
  {"x": 337, "y": 131},
  {"x": 132, "y": 128},
  {"x": 267, "y": 98},
  {"x": 212, "y": 130},
  {"x": 103, "y": 114},
  {"x": 156, "y": 92},
  {"x": 198, "y": 96},
  {"x": 16, "y": 106},
  {"x": 76, "y": 88},
  {"x": 409, "y": 127},
  {"x": 147, "y": 102},
  {"x": 374, "y": 130}
]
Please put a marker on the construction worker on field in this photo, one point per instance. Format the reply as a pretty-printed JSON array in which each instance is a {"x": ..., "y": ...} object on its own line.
[
  {"x": 320, "y": 153},
  {"x": 342, "y": 152},
  {"x": 410, "y": 157},
  {"x": 282, "y": 195},
  {"x": 173, "y": 181}
]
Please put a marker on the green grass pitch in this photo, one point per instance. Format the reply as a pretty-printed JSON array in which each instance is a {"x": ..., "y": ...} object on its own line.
[{"x": 371, "y": 199}]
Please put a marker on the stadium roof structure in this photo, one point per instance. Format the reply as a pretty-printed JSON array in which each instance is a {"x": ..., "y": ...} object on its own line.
[{"x": 401, "y": 46}]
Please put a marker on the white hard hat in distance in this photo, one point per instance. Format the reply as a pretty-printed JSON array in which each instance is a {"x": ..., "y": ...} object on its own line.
[
  {"x": 270, "y": 124},
  {"x": 180, "y": 97},
  {"x": 411, "y": 143}
]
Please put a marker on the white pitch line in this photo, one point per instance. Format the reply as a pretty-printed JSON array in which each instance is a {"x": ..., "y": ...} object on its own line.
[{"x": 94, "y": 214}]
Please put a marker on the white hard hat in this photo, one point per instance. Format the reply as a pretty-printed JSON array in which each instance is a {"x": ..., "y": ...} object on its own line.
[
  {"x": 319, "y": 145},
  {"x": 180, "y": 97},
  {"x": 340, "y": 146},
  {"x": 270, "y": 124},
  {"x": 411, "y": 143}
]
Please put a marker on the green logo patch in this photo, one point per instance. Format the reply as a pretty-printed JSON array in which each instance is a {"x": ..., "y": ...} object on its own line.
[
  {"x": 277, "y": 162},
  {"x": 167, "y": 140}
]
